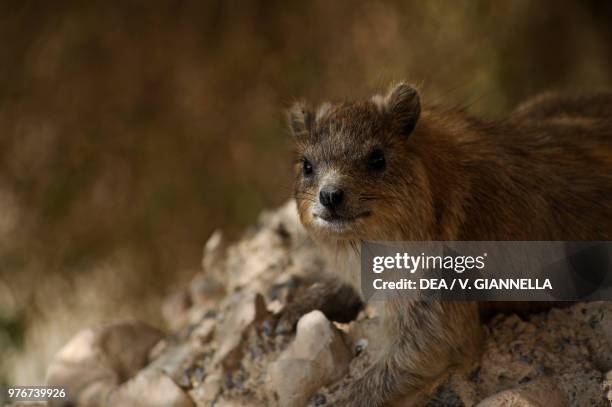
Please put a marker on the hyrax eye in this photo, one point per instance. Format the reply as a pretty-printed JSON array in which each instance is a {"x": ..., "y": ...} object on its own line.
[
  {"x": 307, "y": 167},
  {"x": 376, "y": 160}
]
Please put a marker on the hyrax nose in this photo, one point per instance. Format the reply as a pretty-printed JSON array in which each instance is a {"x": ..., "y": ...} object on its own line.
[{"x": 331, "y": 197}]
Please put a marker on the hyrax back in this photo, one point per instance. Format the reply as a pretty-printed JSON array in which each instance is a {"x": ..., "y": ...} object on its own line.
[{"x": 386, "y": 169}]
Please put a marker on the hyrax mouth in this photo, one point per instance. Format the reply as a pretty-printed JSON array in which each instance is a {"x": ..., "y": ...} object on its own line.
[{"x": 338, "y": 219}]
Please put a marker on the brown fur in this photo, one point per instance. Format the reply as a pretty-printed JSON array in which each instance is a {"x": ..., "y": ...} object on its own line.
[{"x": 544, "y": 173}]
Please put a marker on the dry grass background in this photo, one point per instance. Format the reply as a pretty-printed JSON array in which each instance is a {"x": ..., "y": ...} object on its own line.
[{"x": 129, "y": 131}]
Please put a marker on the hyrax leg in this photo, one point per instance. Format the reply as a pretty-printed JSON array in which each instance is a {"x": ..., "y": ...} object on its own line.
[
  {"x": 336, "y": 299},
  {"x": 426, "y": 339}
]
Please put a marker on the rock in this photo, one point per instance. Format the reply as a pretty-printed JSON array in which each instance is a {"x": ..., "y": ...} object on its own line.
[
  {"x": 265, "y": 254},
  {"x": 159, "y": 348},
  {"x": 275, "y": 306},
  {"x": 212, "y": 256},
  {"x": 317, "y": 356},
  {"x": 97, "y": 360},
  {"x": 220, "y": 358},
  {"x": 212, "y": 385},
  {"x": 237, "y": 403},
  {"x": 242, "y": 313},
  {"x": 278, "y": 245},
  {"x": 205, "y": 290},
  {"x": 174, "y": 309},
  {"x": 318, "y": 340},
  {"x": 204, "y": 331},
  {"x": 583, "y": 388},
  {"x": 538, "y": 393},
  {"x": 601, "y": 321},
  {"x": 607, "y": 386},
  {"x": 229, "y": 352},
  {"x": 173, "y": 361},
  {"x": 208, "y": 392},
  {"x": 293, "y": 380},
  {"x": 150, "y": 389}
]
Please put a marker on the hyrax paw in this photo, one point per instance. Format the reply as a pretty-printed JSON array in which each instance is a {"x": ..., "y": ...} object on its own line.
[{"x": 338, "y": 301}]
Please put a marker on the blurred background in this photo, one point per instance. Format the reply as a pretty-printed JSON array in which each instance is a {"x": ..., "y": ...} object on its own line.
[{"x": 130, "y": 131}]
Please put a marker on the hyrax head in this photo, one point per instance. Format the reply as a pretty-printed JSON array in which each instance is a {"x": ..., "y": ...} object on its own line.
[{"x": 353, "y": 171}]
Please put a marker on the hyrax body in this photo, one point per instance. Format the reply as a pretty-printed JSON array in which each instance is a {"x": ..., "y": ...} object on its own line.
[{"x": 386, "y": 169}]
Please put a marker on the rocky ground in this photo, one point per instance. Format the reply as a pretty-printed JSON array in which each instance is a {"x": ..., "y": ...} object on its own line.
[{"x": 226, "y": 346}]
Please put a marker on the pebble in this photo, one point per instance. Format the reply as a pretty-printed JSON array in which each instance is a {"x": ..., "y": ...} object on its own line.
[
  {"x": 150, "y": 389},
  {"x": 537, "y": 393},
  {"x": 96, "y": 359},
  {"x": 243, "y": 314},
  {"x": 204, "y": 331},
  {"x": 316, "y": 357}
]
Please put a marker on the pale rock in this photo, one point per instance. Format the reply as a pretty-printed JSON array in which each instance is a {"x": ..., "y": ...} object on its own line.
[
  {"x": 237, "y": 403},
  {"x": 150, "y": 388},
  {"x": 243, "y": 312},
  {"x": 293, "y": 380},
  {"x": 317, "y": 356},
  {"x": 97, "y": 360},
  {"x": 205, "y": 290},
  {"x": 197, "y": 315},
  {"x": 208, "y": 393},
  {"x": 204, "y": 331},
  {"x": 607, "y": 386},
  {"x": 538, "y": 393},
  {"x": 175, "y": 309},
  {"x": 159, "y": 349},
  {"x": 213, "y": 252},
  {"x": 173, "y": 361},
  {"x": 275, "y": 307},
  {"x": 230, "y": 352},
  {"x": 212, "y": 385},
  {"x": 604, "y": 328},
  {"x": 252, "y": 265}
]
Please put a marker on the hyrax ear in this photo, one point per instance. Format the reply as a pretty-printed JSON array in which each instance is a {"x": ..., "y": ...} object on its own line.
[
  {"x": 403, "y": 106},
  {"x": 301, "y": 119}
]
